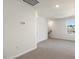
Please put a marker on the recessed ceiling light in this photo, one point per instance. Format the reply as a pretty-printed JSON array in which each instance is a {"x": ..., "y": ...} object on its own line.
[{"x": 57, "y": 6}]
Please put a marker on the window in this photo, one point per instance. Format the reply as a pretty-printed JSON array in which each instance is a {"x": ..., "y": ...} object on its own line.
[{"x": 70, "y": 26}]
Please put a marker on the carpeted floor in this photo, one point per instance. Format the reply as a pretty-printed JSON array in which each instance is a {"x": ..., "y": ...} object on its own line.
[{"x": 52, "y": 49}]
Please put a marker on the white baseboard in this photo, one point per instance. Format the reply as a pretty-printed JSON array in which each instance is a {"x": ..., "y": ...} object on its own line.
[
  {"x": 23, "y": 53},
  {"x": 41, "y": 40},
  {"x": 62, "y": 39}
]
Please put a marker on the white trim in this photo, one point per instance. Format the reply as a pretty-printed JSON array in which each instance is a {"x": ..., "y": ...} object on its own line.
[
  {"x": 41, "y": 41},
  {"x": 23, "y": 53},
  {"x": 62, "y": 39}
]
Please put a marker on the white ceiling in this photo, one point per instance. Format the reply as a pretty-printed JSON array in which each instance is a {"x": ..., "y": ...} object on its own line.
[{"x": 47, "y": 8}]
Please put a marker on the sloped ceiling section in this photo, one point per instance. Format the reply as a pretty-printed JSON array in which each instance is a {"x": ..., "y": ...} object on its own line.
[{"x": 47, "y": 8}]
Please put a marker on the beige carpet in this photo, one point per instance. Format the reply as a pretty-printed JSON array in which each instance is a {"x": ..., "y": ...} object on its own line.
[{"x": 52, "y": 49}]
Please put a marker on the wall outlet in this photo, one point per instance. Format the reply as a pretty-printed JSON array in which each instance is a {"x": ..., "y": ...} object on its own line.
[{"x": 22, "y": 22}]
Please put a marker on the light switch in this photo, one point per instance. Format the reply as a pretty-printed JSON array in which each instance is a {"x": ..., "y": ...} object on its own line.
[{"x": 22, "y": 22}]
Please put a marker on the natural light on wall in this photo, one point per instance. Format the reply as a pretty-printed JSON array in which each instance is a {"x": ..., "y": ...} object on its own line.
[
  {"x": 36, "y": 14},
  {"x": 50, "y": 23}
]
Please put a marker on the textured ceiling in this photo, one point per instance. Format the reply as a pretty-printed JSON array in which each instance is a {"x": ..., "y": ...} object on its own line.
[{"x": 47, "y": 8}]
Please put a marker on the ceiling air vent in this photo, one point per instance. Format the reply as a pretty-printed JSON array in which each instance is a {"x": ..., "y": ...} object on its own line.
[{"x": 31, "y": 2}]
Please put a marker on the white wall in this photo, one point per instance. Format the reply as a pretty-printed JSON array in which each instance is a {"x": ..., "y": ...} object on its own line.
[
  {"x": 50, "y": 25},
  {"x": 59, "y": 30},
  {"x": 42, "y": 29},
  {"x": 18, "y": 38}
]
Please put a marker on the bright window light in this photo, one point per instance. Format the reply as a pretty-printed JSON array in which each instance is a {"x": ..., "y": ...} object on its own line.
[{"x": 70, "y": 26}]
